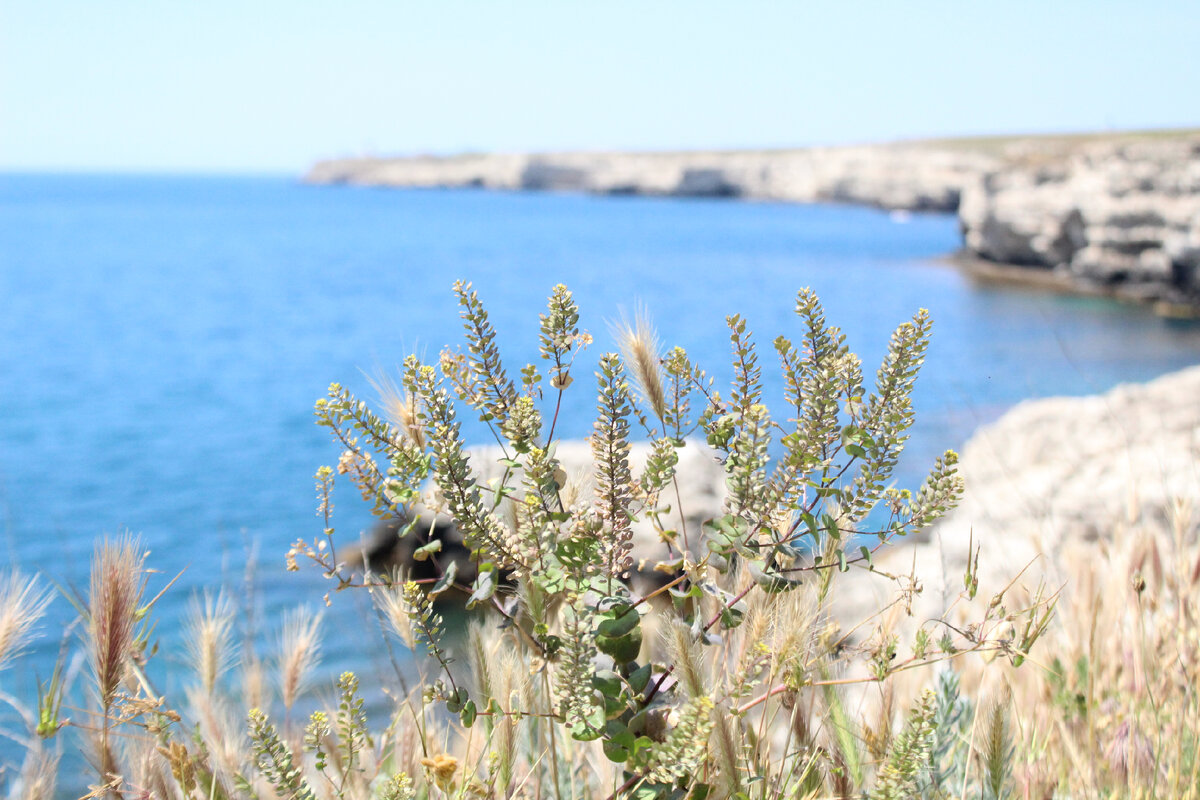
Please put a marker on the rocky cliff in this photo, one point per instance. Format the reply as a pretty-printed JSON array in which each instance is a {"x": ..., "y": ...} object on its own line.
[
  {"x": 1117, "y": 214},
  {"x": 1122, "y": 216},
  {"x": 908, "y": 176}
]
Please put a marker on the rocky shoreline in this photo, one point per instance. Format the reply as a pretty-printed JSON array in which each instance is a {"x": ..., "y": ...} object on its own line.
[
  {"x": 1110, "y": 214},
  {"x": 1056, "y": 481}
]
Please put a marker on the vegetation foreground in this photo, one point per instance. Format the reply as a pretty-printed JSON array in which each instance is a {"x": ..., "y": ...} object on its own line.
[{"x": 733, "y": 674}]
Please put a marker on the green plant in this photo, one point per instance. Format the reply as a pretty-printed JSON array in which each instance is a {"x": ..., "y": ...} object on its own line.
[
  {"x": 804, "y": 492},
  {"x": 733, "y": 678}
]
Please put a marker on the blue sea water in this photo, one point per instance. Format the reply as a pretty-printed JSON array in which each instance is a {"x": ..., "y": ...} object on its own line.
[{"x": 163, "y": 339}]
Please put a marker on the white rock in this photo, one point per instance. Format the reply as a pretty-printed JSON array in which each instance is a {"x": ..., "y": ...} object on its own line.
[{"x": 1050, "y": 481}]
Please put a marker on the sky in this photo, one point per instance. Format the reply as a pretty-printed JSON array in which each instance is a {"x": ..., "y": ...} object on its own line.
[{"x": 272, "y": 85}]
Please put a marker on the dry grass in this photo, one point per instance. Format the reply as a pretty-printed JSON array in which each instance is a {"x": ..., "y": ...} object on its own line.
[
  {"x": 1109, "y": 707},
  {"x": 299, "y": 653},
  {"x": 22, "y": 603},
  {"x": 1114, "y": 708}
]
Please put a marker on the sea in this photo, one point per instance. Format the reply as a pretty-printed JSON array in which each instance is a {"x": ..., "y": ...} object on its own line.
[{"x": 163, "y": 340}]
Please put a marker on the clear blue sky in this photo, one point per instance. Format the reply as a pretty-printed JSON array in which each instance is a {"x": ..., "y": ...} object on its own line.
[{"x": 254, "y": 85}]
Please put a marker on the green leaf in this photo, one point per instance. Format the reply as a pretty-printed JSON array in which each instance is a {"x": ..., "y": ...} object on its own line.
[
  {"x": 484, "y": 587},
  {"x": 591, "y": 727},
  {"x": 622, "y": 648},
  {"x": 645, "y": 792},
  {"x": 468, "y": 714},
  {"x": 640, "y": 678},
  {"x": 615, "y": 625},
  {"x": 731, "y": 617},
  {"x": 866, "y": 554},
  {"x": 831, "y": 527},
  {"x": 618, "y": 743},
  {"x": 772, "y": 582},
  {"x": 446, "y": 581},
  {"x": 608, "y": 683},
  {"x": 551, "y": 580},
  {"x": 810, "y": 522},
  {"x": 423, "y": 552},
  {"x": 457, "y": 701},
  {"x": 727, "y": 534}
]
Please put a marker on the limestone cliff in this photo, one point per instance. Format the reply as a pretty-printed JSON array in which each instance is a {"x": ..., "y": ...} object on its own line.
[
  {"x": 1121, "y": 215},
  {"x": 901, "y": 176},
  {"x": 1118, "y": 214}
]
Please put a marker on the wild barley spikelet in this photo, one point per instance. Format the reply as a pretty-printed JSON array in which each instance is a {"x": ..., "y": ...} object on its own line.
[
  {"x": 391, "y": 601},
  {"x": 38, "y": 777},
  {"x": 209, "y": 634},
  {"x": 997, "y": 749},
  {"x": 255, "y": 689},
  {"x": 687, "y": 657},
  {"x": 640, "y": 347},
  {"x": 118, "y": 581},
  {"x": 511, "y": 684},
  {"x": 22, "y": 603},
  {"x": 481, "y": 656},
  {"x": 728, "y": 740},
  {"x": 299, "y": 653},
  {"x": 219, "y": 734},
  {"x": 400, "y": 409}
]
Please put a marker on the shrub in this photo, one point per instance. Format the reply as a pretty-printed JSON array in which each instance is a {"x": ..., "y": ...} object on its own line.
[
  {"x": 750, "y": 657},
  {"x": 732, "y": 679}
]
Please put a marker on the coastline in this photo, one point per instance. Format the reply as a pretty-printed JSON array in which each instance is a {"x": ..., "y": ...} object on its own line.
[
  {"x": 1105, "y": 215},
  {"x": 1049, "y": 281}
]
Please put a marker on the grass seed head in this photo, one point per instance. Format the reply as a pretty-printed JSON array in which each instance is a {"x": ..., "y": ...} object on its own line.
[
  {"x": 114, "y": 607},
  {"x": 640, "y": 348},
  {"x": 299, "y": 652},
  {"x": 22, "y": 603}
]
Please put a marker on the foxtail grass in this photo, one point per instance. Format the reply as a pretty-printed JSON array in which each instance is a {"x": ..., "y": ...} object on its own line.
[
  {"x": 208, "y": 633},
  {"x": 299, "y": 653},
  {"x": 22, "y": 603},
  {"x": 114, "y": 612}
]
